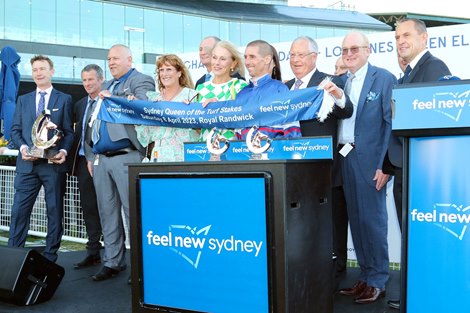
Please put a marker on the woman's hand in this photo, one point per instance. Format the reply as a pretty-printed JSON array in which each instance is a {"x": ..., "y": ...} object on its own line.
[{"x": 206, "y": 103}]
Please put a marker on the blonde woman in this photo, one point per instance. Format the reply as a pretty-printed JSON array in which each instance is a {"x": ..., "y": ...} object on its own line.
[{"x": 225, "y": 62}]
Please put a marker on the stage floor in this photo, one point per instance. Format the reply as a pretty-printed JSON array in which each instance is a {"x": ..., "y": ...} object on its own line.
[{"x": 78, "y": 293}]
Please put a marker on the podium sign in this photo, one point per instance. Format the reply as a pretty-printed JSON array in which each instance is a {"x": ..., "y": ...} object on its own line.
[
  {"x": 307, "y": 148},
  {"x": 432, "y": 109},
  {"x": 204, "y": 242},
  {"x": 438, "y": 276},
  {"x": 434, "y": 119}
]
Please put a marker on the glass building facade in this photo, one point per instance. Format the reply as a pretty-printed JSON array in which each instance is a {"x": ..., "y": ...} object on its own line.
[{"x": 77, "y": 32}]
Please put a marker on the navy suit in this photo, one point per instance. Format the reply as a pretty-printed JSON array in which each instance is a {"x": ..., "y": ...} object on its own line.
[
  {"x": 79, "y": 168},
  {"x": 31, "y": 175},
  {"x": 428, "y": 69},
  {"x": 330, "y": 128},
  {"x": 366, "y": 206}
]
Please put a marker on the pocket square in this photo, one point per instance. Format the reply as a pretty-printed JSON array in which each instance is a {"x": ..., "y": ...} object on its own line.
[
  {"x": 371, "y": 96},
  {"x": 54, "y": 110}
]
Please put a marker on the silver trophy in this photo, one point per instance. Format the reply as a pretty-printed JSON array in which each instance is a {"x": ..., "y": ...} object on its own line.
[
  {"x": 213, "y": 142},
  {"x": 254, "y": 139},
  {"x": 42, "y": 144}
]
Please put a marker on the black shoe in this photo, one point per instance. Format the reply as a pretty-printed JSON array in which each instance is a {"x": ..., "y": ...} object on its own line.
[
  {"x": 394, "y": 304},
  {"x": 90, "y": 260},
  {"x": 105, "y": 273}
]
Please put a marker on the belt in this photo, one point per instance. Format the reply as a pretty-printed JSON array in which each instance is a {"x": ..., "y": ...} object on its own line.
[{"x": 110, "y": 154}]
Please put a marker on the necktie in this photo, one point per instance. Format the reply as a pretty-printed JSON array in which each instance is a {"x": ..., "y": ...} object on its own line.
[
  {"x": 42, "y": 103},
  {"x": 347, "y": 86},
  {"x": 95, "y": 136},
  {"x": 407, "y": 73},
  {"x": 208, "y": 77},
  {"x": 86, "y": 137},
  {"x": 297, "y": 84}
]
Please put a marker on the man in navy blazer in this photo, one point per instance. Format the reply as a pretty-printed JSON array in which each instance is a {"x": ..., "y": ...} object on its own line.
[
  {"x": 363, "y": 140},
  {"x": 411, "y": 37},
  {"x": 33, "y": 173},
  {"x": 82, "y": 157},
  {"x": 303, "y": 57}
]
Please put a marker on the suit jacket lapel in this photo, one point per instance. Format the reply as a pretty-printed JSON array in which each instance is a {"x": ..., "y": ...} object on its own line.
[
  {"x": 52, "y": 100},
  {"x": 415, "y": 70},
  {"x": 368, "y": 82},
  {"x": 32, "y": 107}
]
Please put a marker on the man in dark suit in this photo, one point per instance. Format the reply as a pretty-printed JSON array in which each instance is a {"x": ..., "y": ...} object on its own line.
[
  {"x": 92, "y": 78},
  {"x": 205, "y": 56},
  {"x": 411, "y": 38},
  {"x": 303, "y": 56},
  {"x": 363, "y": 140},
  {"x": 116, "y": 146},
  {"x": 32, "y": 173}
]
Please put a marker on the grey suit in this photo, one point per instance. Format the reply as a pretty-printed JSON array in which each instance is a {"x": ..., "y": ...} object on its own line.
[{"x": 110, "y": 175}]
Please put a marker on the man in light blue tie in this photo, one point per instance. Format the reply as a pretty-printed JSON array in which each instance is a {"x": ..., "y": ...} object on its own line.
[{"x": 32, "y": 173}]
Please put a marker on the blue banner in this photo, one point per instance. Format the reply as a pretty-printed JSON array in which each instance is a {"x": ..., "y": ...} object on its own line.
[
  {"x": 276, "y": 109},
  {"x": 306, "y": 148},
  {"x": 436, "y": 106}
]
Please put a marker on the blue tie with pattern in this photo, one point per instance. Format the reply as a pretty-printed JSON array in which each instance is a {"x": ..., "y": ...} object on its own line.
[{"x": 42, "y": 103}]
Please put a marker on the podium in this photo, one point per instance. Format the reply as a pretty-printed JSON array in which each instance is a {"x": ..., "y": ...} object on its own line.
[
  {"x": 241, "y": 236},
  {"x": 434, "y": 120}
]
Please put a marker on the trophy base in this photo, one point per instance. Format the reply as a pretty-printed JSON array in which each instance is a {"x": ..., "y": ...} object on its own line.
[
  {"x": 259, "y": 156},
  {"x": 41, "y": 153}
]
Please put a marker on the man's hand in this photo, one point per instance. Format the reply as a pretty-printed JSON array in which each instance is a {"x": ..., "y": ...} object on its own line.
[
  {"x": 89, "y": 165},
  {"x": 333, "y": 90},
  {"x": 25, "y": 156},
  {"x": 59, "y": 158},
  {"x": 104, "y": 93},
  {"x": 381, "y": 179}
]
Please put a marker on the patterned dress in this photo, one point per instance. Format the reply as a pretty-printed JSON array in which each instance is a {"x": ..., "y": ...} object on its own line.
[
  {"x": 222, "y": 92},
  {"x": 168, "y": 140}
]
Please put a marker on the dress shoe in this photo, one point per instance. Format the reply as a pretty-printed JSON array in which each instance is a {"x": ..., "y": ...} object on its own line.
[
  {"x": 356, "y": 290},
  {"x": 105, "y": 273},
  {"x": 394, "y": 304},
  {"x": 370, "y": 294},
  {"x": 89, "y": 260}
]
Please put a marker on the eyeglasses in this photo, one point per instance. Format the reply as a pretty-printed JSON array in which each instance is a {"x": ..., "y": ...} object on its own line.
[
  {"x": 300, "y": 55},
  {"x": 353, "y": 50}
]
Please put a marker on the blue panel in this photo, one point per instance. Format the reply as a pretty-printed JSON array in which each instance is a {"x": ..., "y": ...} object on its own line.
[
  {"x": 202, "y": 249},
  {"x": 436, "y": 106},
  {"x": 281, "y": 149},
  {"x": 438, "y": 277}
]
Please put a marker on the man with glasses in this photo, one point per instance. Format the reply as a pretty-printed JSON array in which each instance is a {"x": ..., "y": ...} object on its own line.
[
  {"x": 303, "y": 58},
  {"x": 363, "y": 142}
]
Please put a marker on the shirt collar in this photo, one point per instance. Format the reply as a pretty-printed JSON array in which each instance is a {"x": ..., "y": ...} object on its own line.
[
  {"x": 417, "y": 58},
  {"x": 48, "y": 90}
]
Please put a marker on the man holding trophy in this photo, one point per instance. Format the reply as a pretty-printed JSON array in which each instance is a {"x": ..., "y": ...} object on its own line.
[{"x": 42, "y": 131}]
